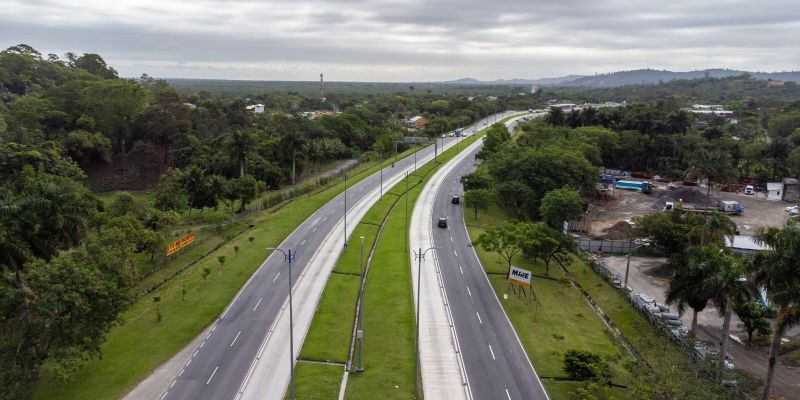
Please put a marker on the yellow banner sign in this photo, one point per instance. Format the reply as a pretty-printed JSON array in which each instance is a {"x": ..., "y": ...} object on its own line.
[{"x": 180, "y": 243}]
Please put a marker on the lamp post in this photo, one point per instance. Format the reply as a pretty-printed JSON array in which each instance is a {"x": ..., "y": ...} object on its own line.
[
  {"x": 360, "y": 331},
  {"x": 288, "y": 256},
  {"x": 345, "y": 208},
  {"x": 419, "y": 256}
]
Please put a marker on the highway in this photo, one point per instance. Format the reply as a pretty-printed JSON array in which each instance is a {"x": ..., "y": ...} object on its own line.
[
  {"x": 492, "y": 356},
  {"x": 244, "y": 353}
]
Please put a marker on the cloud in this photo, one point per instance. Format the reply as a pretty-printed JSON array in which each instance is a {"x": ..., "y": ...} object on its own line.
[{"x": 409, "y": 40}]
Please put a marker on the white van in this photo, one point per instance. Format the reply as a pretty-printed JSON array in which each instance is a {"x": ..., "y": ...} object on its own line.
[{"x": 749, "y": 190}]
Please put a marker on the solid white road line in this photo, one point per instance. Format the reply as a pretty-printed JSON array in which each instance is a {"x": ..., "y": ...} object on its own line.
[
  {"x": 492, "y": 351},
  {"x": 212, "y": 375},
  {"x": 481, "y": 322},
  {"x": 275, "y": 279},
  {"x": 259, "y": 302},
  {"x": 234, "y": 339}
]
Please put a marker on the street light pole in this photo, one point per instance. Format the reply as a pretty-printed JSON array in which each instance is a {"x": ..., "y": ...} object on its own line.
[
  {"x": 289, "y": 257},
  {"x": 381, "y": 182},
  {"x": 419, "y": 256},
  {"x": 345, "y": 208},
  {"x": 406, "y": 220},
  {"x": 360, "y": 332}
]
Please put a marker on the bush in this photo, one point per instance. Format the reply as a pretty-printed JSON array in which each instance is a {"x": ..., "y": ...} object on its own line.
[{"x": 583, "y": 365}]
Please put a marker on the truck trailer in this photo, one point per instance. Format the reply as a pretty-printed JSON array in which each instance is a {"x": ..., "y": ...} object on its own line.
[{"x": 643, "y": 187}]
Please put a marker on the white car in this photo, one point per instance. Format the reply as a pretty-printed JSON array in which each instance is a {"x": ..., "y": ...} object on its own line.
[{"x": 793, "y": 210}]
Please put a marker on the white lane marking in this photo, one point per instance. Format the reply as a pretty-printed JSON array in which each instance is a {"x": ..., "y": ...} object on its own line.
[
  {"x": 172, "y": 384},
  {"x": 314, "y": 230},
  {"x": 303, "y": 242},
  {"x": 324, "y": 219},
  {"x": 259, "y": 302},
  {"x": 187, "y": 364},
  {"x": 468, "y": 291},
  {"x": 492, "y": 351},
  {"x": 480, "y": 320},
  {"x": 202, "y": 344},
  {"x": 234, "y": 339},
  {"x": 451, "y": 239},
  {"x": 454, "y": 252},
  {"x": 213, "y": 328},
  {"x": 215, "y": 371},
  {"x": 165, "y": 395},
  {"x": 508, "y": 394},
  {"x": 181, "y": 372},
  {"x": 195, "y": 353},
  {"x": 275, "y": 279},
  {"x": 462, "y": 271}
]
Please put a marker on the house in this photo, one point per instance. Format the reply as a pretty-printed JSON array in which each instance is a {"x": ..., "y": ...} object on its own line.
[
  {"x": 418, "y": 122},
  {"x": 256, "y": 108},
  {"x": 744, "y": 245},
  {"x": 791, "y": 189},
  {"x": 774, "y": 191},
  {"x": 710, "y": 109},
  {"x": 191, "y": 106}
]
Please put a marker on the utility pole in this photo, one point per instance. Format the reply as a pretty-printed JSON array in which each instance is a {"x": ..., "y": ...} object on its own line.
[
  {"x": 406, "y": 211},
  {"x": 289, "y": 257}
]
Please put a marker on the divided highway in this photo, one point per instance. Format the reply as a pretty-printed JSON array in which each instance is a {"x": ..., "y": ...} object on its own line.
[
  {"x": 485, "y": 343},
  {"x": 244, "y": 354}
]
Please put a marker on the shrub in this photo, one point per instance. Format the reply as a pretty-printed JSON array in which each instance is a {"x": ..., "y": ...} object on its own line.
[{"x": 584, "y": 365}]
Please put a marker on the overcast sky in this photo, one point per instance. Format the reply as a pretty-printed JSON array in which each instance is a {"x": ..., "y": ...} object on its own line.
[{"x": 405, "y": 40}]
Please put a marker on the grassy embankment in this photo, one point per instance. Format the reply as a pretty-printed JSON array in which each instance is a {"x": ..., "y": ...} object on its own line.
[
  {"x": 188, "y": 303},
  {"x": 388, "y": 309},
  {"x": 563, "y": 312}
]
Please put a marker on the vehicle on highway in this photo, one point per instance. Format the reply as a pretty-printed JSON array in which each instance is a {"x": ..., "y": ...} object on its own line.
[
  {"x": 442, "y": 223},
  {"x": 456, "y": 200},
  {"x": 749, "y": 189}
]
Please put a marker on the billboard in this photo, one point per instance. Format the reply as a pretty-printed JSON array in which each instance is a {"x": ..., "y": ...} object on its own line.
[
  {"x": 180, "y": 243},
  {"x": 519, "y": 276}
]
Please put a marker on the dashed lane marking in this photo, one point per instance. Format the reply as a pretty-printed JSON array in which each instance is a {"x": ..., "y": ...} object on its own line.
[
  {"x": 215, "y": 371},
  {"x": 479, "y": 320},
  {"x": 492, "y": 351},
  {"x": 234, "y": 339},
  {"x": 273, "y": 280},
  {"x": 257, "y": 304}
]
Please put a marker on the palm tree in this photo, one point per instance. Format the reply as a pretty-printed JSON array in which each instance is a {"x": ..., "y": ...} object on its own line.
[
  {"x": 727, "y": 285},
  {"x": 778, "y": 272},
  {"x": 239, "y": 145},
  {"x": 678, "y": 122},
  {"x": 293, "y": 142},
  {"x": 688, "y": 286},
  {"x": 574, "y": 118}
]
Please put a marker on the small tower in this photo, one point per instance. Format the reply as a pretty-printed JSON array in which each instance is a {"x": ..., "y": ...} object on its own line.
[{"x": 321, "y": 88}]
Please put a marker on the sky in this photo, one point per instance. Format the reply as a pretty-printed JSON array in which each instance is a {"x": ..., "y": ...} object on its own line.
[{"x": 409, "y": 40}]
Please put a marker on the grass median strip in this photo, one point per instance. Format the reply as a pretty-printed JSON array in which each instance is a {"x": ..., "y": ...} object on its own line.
[
  {"x": 388, "y": 305},
  {"x": 188, "y": 303}
]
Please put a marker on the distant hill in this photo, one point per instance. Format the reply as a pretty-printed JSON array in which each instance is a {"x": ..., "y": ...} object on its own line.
[
  {"x": 651, "y": 76},
  {"x": 634, "y": 77}
]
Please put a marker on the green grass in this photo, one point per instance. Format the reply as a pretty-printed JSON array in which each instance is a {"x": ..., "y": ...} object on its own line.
[
  {"x": 327, "y": 379},
  {"x": 139, "y": 344},
  {"x": 560, "y": 312}
]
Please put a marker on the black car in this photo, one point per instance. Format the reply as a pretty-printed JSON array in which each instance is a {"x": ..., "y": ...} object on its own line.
[
  {"x": 442, "y": 223},
  {"x": 455, "y": 200}
]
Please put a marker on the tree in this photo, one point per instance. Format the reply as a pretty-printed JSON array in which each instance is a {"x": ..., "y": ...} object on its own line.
[
  {"x": 171, "y": 195},
  {"x": 689, "y": 283},
  {"x": 478, "y": 199},
  {"x": 221, "y": 260},
  {"x": 560, "y": 205},
  {"x": 726, "y": 285},
  {"x": 778, "y": 272},
  {"x": 545, "y": 243},
  {"x": 293, "y": 142},
  {"x": 754, "y": 316},
  {"x": 244, "y": 189},
  {"x": 507, "y": 241},
  {"x": 584, "y": 365},
  {"x": 240, "y": 144},
  {"x": 555, "y": 116}
]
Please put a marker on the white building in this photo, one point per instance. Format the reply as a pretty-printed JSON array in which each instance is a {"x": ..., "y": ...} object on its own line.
[
  {"x": 744, "y": 245},
  {"x": 256, "y": 108},
  {"x": 774, "y": 191}
]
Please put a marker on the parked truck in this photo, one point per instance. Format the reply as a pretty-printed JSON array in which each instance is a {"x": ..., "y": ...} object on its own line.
[
  {"x": 724, "y": 206},
  {"x": 643, "y": 187}
]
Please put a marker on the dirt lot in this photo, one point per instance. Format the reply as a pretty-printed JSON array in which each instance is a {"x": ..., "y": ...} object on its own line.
[
  {"x": 604, "y": 214},
  {"x": 645, "y": 276}
]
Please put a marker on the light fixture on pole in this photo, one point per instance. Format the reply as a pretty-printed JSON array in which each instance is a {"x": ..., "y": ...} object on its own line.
[
  {"x": 360, "y": 330},
  {"x": 345, "y": 208},
  {"x": 419, "y": 256},
  {"x": 288, "y": 256}
]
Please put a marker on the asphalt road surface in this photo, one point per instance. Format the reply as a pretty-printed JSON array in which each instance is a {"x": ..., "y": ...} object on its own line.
[
  {"x": 496, "y": 364},
  {"x": 218, "y": 366}
]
